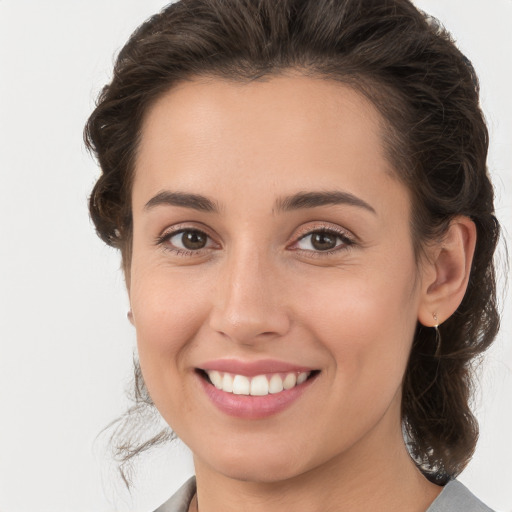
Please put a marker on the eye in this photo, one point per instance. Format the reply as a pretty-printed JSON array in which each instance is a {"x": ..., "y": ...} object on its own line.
[
  {"x": 186, "y": 241},
  {"x": 191, "y": 240},
  {"x": 323, "y": 240}
]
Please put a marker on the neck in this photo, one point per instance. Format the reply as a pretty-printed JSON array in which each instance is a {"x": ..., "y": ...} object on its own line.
[{"x": 375, "y": 473}]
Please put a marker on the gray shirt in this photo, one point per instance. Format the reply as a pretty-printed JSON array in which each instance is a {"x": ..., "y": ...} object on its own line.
[{"x": 455, "y": 497}]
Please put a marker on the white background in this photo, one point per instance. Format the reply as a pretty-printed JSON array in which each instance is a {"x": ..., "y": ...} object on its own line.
[{"x": 65, "y": 344}]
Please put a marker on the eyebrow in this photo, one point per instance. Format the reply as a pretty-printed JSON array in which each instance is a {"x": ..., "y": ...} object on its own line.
[
  {"x": 298, "y": 201},
  {"x": 185, "y": 200},
  {"x": 314, "y": 199}
]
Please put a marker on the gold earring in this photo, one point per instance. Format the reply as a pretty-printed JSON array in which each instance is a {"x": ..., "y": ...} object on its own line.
[{"x": 438, "y": 335}]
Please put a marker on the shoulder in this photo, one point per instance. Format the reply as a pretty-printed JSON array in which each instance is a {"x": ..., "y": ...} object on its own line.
[
  {"x": 180, "y": 501},
  {"x": 455, "y": 497}
]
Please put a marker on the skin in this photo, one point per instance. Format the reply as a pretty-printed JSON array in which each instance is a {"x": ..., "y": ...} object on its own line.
[{"x": 261, "y": 289}]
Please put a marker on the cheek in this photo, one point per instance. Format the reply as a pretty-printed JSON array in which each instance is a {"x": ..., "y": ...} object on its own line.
[
  {"x": 166, "y": 307},
  {"x": 168, "y": 311},
  {"x": 366, "y": 320}
]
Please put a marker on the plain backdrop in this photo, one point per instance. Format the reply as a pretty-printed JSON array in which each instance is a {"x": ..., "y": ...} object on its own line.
[{"x": 65, "y": 344}]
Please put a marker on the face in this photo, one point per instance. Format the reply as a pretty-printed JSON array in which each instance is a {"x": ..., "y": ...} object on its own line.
[{"x": 272, "y": 255}]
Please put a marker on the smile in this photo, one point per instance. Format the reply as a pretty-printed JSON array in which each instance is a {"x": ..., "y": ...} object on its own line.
[
  {"x": 259, "y": 385},
  {"x": 254, "y": 391}
]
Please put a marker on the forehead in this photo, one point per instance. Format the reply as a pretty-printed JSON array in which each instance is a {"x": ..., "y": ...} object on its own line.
[{"x": 295, "y": 131}]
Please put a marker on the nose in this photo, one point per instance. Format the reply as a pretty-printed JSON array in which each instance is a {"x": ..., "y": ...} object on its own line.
[{"x": 249, "y": 305}]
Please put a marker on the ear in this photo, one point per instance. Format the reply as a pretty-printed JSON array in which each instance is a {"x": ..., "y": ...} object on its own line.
[{"x": 446, "y": 272}]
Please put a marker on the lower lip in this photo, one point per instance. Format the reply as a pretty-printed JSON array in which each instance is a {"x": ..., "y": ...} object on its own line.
[{"x": 253, "y": 407}]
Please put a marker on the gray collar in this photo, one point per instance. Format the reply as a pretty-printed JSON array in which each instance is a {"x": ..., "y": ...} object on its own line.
[{"x": 455, "y": 497}]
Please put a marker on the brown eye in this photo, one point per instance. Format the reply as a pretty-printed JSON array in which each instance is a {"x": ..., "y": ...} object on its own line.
[
  {"x": 193, "y": 240},
  {"x": 188, "y": 240},
  {"x": 323, "y": 241}
]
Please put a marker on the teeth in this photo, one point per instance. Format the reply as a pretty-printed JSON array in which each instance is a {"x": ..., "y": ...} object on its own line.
[
  {"x": 276, "y": 384},
  {"x": 227, "y": 383},
  {"x": 216, "y": 379},
  {"x": 302, "y": 377},
  {"x": 290, "y": 381},
  {"x": 241, "y": 385},
  {"x": 261, "y": 385}
]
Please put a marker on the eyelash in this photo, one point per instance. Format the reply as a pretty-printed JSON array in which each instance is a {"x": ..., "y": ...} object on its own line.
[
  {"x": 164, "y": 239},
  {"x": 347, "y": 241}
]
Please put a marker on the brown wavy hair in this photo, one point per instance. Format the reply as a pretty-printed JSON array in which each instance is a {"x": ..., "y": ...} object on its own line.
[{"x": 436, "y": 138}]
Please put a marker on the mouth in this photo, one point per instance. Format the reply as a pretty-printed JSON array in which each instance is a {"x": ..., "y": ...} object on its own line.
[
  {"x": 257, "y": 385},
  {"x": 254, "y": 390}
]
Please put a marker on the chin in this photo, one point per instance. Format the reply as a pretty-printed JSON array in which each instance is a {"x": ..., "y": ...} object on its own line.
[
  {"x": 262, "y": 473},
  {"x": 256, "y": 467}
]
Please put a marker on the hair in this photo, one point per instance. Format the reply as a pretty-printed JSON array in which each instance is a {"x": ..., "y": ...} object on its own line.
[{"x": 436, "y": 138}]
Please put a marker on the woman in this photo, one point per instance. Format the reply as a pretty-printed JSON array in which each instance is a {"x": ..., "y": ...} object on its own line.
[{"x": 299, "y": 193}]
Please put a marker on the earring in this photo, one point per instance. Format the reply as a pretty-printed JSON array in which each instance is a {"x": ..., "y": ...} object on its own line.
[{"x": 438, "y": 335}]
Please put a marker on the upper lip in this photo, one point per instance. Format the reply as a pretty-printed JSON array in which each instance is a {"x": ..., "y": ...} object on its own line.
[{"x": 253, "y": 368}]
